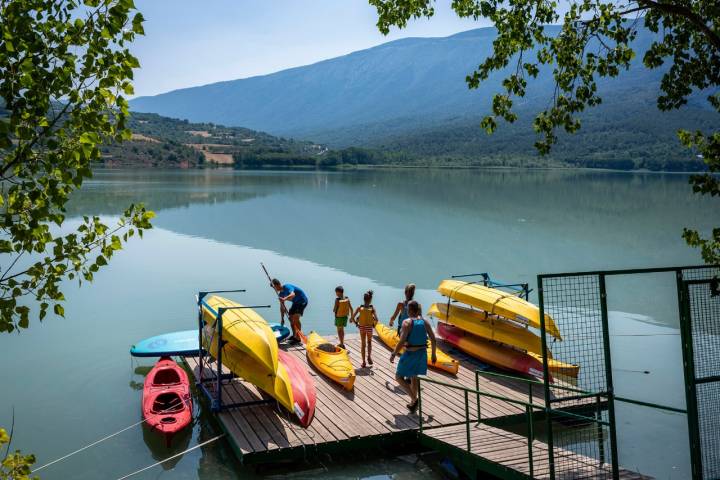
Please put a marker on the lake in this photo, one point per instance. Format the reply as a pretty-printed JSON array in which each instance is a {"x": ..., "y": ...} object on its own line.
[{"x": 71, "y": 381}]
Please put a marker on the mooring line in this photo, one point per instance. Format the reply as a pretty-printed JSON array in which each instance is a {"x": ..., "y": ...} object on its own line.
[
  {"x": 162, "y": 412},
  {"x": 172, "y": 457},
  {"x": 87, "y": 446}
]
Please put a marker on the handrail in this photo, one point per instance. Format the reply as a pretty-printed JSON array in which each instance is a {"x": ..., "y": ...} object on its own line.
[
  {"x": 534, "y": 382},
  {"x": 529, "y": 407},
  {"x": 479, "y": 392}
]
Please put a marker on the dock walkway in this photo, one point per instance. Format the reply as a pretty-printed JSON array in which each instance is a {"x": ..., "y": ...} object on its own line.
[{"x": 374, "y": 413}]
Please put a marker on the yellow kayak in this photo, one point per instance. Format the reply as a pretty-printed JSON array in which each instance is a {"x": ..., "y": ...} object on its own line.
[
  {"x": 277, "y": 384},
  {"x": 444, "y": 362},
  {"x": 494, "y": 301},
  {"x": 487, "y": 326},
  {"x": 557, "y": 367},
  {"x": 333, "y": 364},
  {"x": 245, "y": 330}
]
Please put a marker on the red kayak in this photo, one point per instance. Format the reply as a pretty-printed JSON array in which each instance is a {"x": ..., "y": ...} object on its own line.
[
  {"x": 491, "y": 352},
  {"x": 167, "y": 404},
  {"x": 303, "y": 387}
]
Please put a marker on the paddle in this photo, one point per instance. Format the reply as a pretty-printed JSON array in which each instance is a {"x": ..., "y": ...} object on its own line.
[{"x": 283, "y": 309}]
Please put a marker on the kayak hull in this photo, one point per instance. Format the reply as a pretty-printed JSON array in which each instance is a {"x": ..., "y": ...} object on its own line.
[
  {"x": 335, "y": 365},
  {"x": 494, "y": 301},
  {"x": 445, "y": 362},
  {"x": 167, "y": 404},
  {"x": 244, "y": 329},
  {"x": 487, "y": 326},
  {"x": 303, "y": 388},
  {"x": 491, "y": 353}
]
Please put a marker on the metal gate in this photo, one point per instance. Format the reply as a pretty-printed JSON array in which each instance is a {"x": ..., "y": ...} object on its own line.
[
  {"x": 700, "y": 333},
  {"x": 578, "y": 304}
]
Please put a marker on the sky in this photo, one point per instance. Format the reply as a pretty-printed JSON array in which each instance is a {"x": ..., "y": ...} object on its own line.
[{"x": 189, "y": 43}]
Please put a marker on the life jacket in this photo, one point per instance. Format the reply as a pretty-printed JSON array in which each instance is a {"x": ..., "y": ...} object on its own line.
[
  {"x": 418, "y": 335},
  {"x": 366, "y": 316},
  {"x": 343, "y": 307}
]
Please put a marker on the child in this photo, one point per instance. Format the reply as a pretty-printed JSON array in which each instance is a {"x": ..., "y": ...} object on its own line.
[
  {"x": 366, "y": 320},
  {"x": 342, "y": 311}
]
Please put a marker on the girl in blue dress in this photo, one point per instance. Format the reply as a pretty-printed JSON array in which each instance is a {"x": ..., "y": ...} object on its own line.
[{"x": 413, "y": 362}]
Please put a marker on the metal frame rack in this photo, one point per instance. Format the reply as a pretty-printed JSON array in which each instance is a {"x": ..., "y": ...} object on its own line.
[
  {"x": 523, "y": 289},
  {"x": 215, "y": 397}
]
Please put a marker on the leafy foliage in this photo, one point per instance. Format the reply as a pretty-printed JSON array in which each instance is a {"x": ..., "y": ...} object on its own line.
[
  {"x": 64, "y": 68},
  {"x": 15, "y": 465},
  {"x": 594, "y": 42}
]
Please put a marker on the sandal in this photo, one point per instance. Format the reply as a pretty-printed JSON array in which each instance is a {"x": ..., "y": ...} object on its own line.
[
  {"x": 370, "y": 362},
  {"x": 412, "y": 406},
  {"x": 363, "y": 365}
]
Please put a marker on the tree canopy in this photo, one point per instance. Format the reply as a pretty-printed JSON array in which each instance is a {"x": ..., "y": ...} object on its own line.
[
  {"x": 64, "y": 70},
  {"x": 595, "y": 41}
]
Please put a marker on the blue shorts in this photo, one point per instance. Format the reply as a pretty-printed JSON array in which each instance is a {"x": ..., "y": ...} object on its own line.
[{"x": 412, "y": 364}]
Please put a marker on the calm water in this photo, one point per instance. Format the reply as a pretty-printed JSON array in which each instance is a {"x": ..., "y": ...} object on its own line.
[{"x": 71, "y": 381}]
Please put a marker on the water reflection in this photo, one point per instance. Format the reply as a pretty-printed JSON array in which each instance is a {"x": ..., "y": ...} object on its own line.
[{"x": 421, "y": 225}]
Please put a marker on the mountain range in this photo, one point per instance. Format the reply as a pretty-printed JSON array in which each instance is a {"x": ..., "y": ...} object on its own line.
[{"x": 409, "y": 97}]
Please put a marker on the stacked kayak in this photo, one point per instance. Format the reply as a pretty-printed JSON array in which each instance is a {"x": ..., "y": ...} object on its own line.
[
  {"x": 493, "y": 327},
  {"x": 444, "y": 362},
  {"x": 250, "y": 350},
  {"x": 330, "y": 360},
  {"x": 490, "y": 352}
]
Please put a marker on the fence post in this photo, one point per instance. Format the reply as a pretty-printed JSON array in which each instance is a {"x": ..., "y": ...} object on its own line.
[
  {"x": 467, "y": 419},
  {"x": 531, "y": 437},
  {"x": 420, "y": 403},
  {"x": 608, "y": 377},
  {"x": 477, "y": 395},
  {"x": 546, "y": 379}
]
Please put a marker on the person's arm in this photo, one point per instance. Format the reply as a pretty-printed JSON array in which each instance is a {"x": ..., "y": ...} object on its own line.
[
  {"x": 337, "y": 302},
  {"x": 404, "y": 332},
  {"x": 398, "y": 309},
  {"x": 290, "y": 296},
  {"x": 375, "y": 317},
  {"x": 354, "y": 314},
  {"x": 433, "y": 341}
]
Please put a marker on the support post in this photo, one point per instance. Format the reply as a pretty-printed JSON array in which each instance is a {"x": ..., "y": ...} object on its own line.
[
  {"x": 608, "y": 377},
  {"x": 546, "y": 380},
  {"x": 467, "y": 419},
  {"x": 477, "y": 396},
  {"x": 689, "y": 374},
  {"x": 531, "y": 437},
  {"x": 420, "y": 404}
]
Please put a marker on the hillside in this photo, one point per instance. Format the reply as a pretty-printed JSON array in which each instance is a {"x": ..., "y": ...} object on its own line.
[
  {"x": 409, "y": 96},
  {"x": 159, "y": 141}
]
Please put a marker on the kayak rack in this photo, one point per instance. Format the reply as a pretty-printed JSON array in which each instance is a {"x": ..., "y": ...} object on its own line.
[
  {"x": 521, "y": 289},
  {"x": 214, "y": 395}
]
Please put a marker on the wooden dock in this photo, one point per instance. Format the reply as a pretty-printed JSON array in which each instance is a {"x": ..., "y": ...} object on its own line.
[{"x": 375, "y": 413}]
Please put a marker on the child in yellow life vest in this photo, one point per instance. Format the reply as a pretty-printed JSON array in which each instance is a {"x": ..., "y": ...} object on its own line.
[
  {"x": 342, "y": 311},
  {"x": 365, "y": 318}
]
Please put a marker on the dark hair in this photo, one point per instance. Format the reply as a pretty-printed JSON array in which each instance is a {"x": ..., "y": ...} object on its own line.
[
  {"x": 367, "y": 298},
  {"x": 409, "y": 291},
  {"x": 340, "y": 289},
  {"x": 276, "y": 282},
  {"x": 414, "y": 308}
]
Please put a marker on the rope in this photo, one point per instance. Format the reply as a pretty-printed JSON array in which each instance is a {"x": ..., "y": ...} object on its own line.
[
  {"x": 172, "y": 457},
  {"x": 101, "y": 440},
  {"x": 87, "y": 446}
]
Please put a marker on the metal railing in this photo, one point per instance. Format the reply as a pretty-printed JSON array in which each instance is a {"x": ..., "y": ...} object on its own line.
[{"x": 529, "y": 407}]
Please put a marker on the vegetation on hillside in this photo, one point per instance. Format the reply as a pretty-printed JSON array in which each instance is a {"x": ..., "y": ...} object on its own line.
[{"x": 595, "y": 42}]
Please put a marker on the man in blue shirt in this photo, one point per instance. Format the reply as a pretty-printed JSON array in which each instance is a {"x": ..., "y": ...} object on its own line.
[{"x": 297, "y": 307}]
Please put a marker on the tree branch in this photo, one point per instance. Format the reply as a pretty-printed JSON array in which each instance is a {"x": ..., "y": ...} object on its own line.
[{"x": 692, "y": 17}]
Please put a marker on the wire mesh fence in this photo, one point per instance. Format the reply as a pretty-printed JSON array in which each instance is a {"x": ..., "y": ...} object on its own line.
[
  {"x": 704, "y": 309},
  {"x": 578, "y": 422}
]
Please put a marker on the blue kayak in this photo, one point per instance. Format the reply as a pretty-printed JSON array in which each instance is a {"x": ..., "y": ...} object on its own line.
[{"x": 185, "y": 343}]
